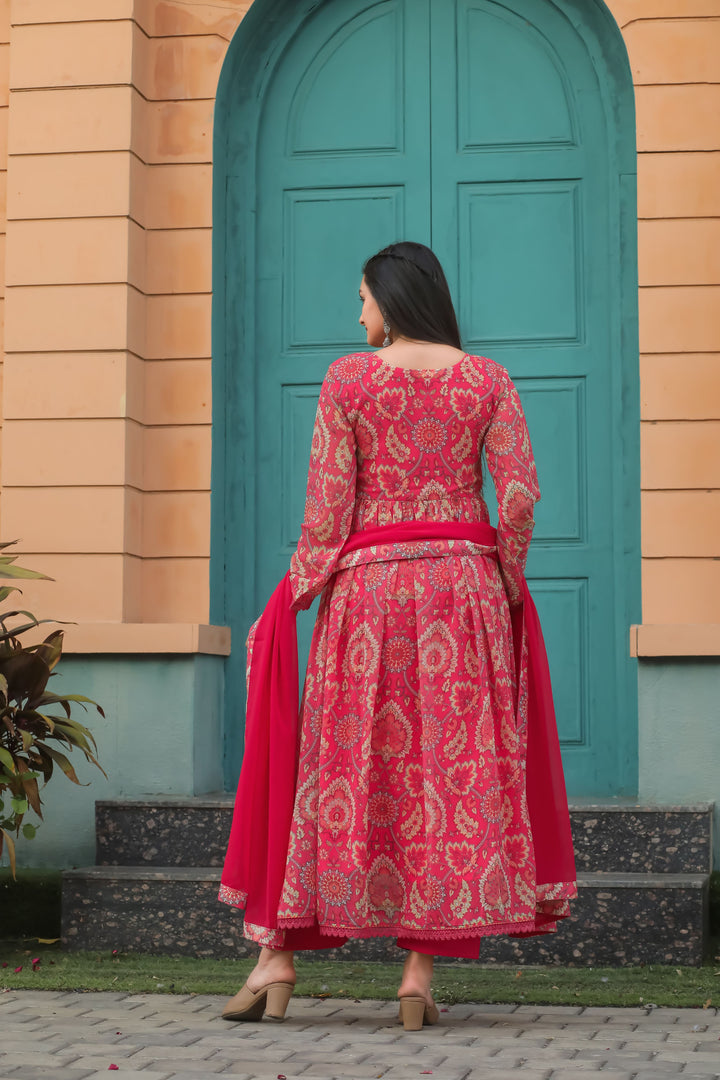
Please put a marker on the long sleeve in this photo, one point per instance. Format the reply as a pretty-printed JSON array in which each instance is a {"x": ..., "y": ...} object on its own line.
[
  {"x": 512, "y": 466},
  {"x": 329, "y": 501}
]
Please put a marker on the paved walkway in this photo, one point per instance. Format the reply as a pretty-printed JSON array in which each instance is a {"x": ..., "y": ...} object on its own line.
[{"x": 75, "y": 1036}]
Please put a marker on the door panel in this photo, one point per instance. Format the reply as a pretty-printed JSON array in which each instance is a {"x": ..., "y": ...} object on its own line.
[
  {"x": 331, "y": 220},
  {"x": 342, "y": 104},
  {"x": 520, "y": 260},
  {"x": 562, "y": 605},
  {"x": 511, "y": 86},
  {"x": 555, "y": 412}
]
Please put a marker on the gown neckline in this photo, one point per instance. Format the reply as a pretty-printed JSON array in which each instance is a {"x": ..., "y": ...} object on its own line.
[{"x": 420, "y": 371}]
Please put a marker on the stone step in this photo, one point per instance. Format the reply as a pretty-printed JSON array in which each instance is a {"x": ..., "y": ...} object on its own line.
[
  {"x": 639, "y": 838},
  {"x": 612, "y": 836},
  {"x": 618, "y": 919},
  {"x": 163, "y": 830}
]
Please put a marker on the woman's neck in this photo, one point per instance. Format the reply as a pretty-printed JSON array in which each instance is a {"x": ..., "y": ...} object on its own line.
[{"x": 420, "y": 354}]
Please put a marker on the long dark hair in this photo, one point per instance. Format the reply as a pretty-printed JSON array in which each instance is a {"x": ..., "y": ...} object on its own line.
[{"x": 408, "y": 284}]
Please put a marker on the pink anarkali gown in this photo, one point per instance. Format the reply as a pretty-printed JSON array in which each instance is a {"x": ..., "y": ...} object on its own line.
[{"x": 410, "y": 817}]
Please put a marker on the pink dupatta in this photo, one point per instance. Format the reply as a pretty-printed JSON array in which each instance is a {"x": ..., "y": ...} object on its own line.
[{"x": 254, "y": 868}]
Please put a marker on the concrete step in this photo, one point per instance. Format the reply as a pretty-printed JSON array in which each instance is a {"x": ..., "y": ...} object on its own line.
[
  {"x": 613, "y": 836},
  {"x": 618, "y": 919}
]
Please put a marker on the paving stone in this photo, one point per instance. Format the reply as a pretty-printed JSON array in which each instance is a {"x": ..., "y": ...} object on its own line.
[
  {"x": 35, "y": 996},
  {"x": 192, "y": 1053},
  {"x": 492, "y": 1066},
  {"x": 317, "y": 1057},
  {"x": 37, "y": 1072},
  {"x": 698, "y": 1058},
  {"x": 598, "y": 1011},
  {"x": 401, "y": 1073},
  {"x": 557, "y": 1038},
  {"x": 555, "y": 1053},
  {"x": 159, "y": 1038},
  {"x": 183, "y": 1066},
  {"x": 589, "y": 1023},
  {"x": 555, "y": 1026},
  {"x": 249, "y": 1056},
  {"x": 203, "y": 1076},
  {"x": 328, "y": 1043},
  {"x": 273, "y": 1076},
  {"x": 90, "y": 1036},
  {"x": 17, "y": 1027},
  {"x": 652, "y": 1069},
  {"x": 38, "y": 1056},
  {"x": 525, "y": 1072},
  {"x": 560, "y": 1010},
  {"x": 522, "y": 1044},
  {"x": 170, "y": 999},
  {"x": 100, "y": 1063},
  {"x": 627, "y": 1056},
  {"x": 643, "y": 1038},
  {"x": 81, "y": 1047},
  {"x": 130, "y": 1027},
  {"x": 636, "y": 1012},
  {"x": 359, "y": 1035},
  {"x": 361, "y": 1072},
  {"x": 703, "y": 1040},
  {"x": 411, "y": 1045},
  {"x": 126, "y": 1074},
  {"x": 20, "y": 1045},
  {"x": 12, "y": 1008},
  {"x": 112, "y": 1016},
  {"x": 102, "y": 998},
  {"x": 265, "y": 1075},
  {"x": 606, "y": 1074}
]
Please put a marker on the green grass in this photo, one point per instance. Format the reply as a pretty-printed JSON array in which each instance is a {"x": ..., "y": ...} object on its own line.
[{"x": 58, "y": 970}]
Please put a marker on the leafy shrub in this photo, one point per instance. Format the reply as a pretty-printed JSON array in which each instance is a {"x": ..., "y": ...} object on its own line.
[{"x": 31, "y": 716}]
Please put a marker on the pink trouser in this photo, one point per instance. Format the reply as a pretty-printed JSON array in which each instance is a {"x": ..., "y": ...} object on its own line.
[{"x": 466, "y": 948}]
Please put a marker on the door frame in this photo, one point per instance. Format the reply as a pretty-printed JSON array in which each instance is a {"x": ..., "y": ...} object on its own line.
[{"x": 252, "y": 56}]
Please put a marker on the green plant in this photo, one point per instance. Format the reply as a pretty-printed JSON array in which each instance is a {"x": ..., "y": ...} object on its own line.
[{"x": 26, "y": 725}]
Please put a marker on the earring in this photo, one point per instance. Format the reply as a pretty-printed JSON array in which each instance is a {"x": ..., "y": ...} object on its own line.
[{"x": 386, "y": 328}]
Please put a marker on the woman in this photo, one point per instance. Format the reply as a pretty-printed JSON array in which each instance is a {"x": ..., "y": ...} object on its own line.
[{"x": 411, "y": 815}]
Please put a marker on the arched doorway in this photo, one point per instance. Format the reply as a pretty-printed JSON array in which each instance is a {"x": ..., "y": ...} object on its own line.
[{"x": 502, "y": 133}]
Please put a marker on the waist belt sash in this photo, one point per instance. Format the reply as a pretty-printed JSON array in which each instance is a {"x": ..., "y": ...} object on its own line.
[{"x": 254, "y": 867}]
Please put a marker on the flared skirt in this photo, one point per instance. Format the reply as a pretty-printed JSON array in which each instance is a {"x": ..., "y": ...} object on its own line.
[{"x": 411, "y": 816}]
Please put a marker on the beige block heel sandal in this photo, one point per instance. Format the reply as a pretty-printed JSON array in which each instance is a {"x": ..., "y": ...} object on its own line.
[
  {"x": 415, "y": 1011},
  {"x": 268, "y": 1003}
]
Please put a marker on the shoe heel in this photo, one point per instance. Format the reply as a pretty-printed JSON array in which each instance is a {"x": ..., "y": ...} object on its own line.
[
  {"x": 277, "y": 1001},
  {"x": 412, "y": 1013}
]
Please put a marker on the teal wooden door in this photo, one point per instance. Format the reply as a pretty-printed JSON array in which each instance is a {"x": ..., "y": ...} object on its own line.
[{"x": 482, "y": 129}]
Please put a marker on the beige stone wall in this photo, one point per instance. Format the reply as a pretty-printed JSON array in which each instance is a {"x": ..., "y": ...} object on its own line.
[
  {"x": 107, "y": 401},
  {"x": 106, "y": 407},
  {"x": 4, "y": 99},
  {"x": 674, "y": 49}
]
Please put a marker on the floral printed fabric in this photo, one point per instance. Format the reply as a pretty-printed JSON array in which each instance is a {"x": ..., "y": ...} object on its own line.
[{"x": 410, "y": 815}]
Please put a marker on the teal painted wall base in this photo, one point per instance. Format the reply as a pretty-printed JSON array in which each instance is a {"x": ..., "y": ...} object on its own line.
[
  {"x": 162, "y": 735},
  {"x": 679, "y": 737}
]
